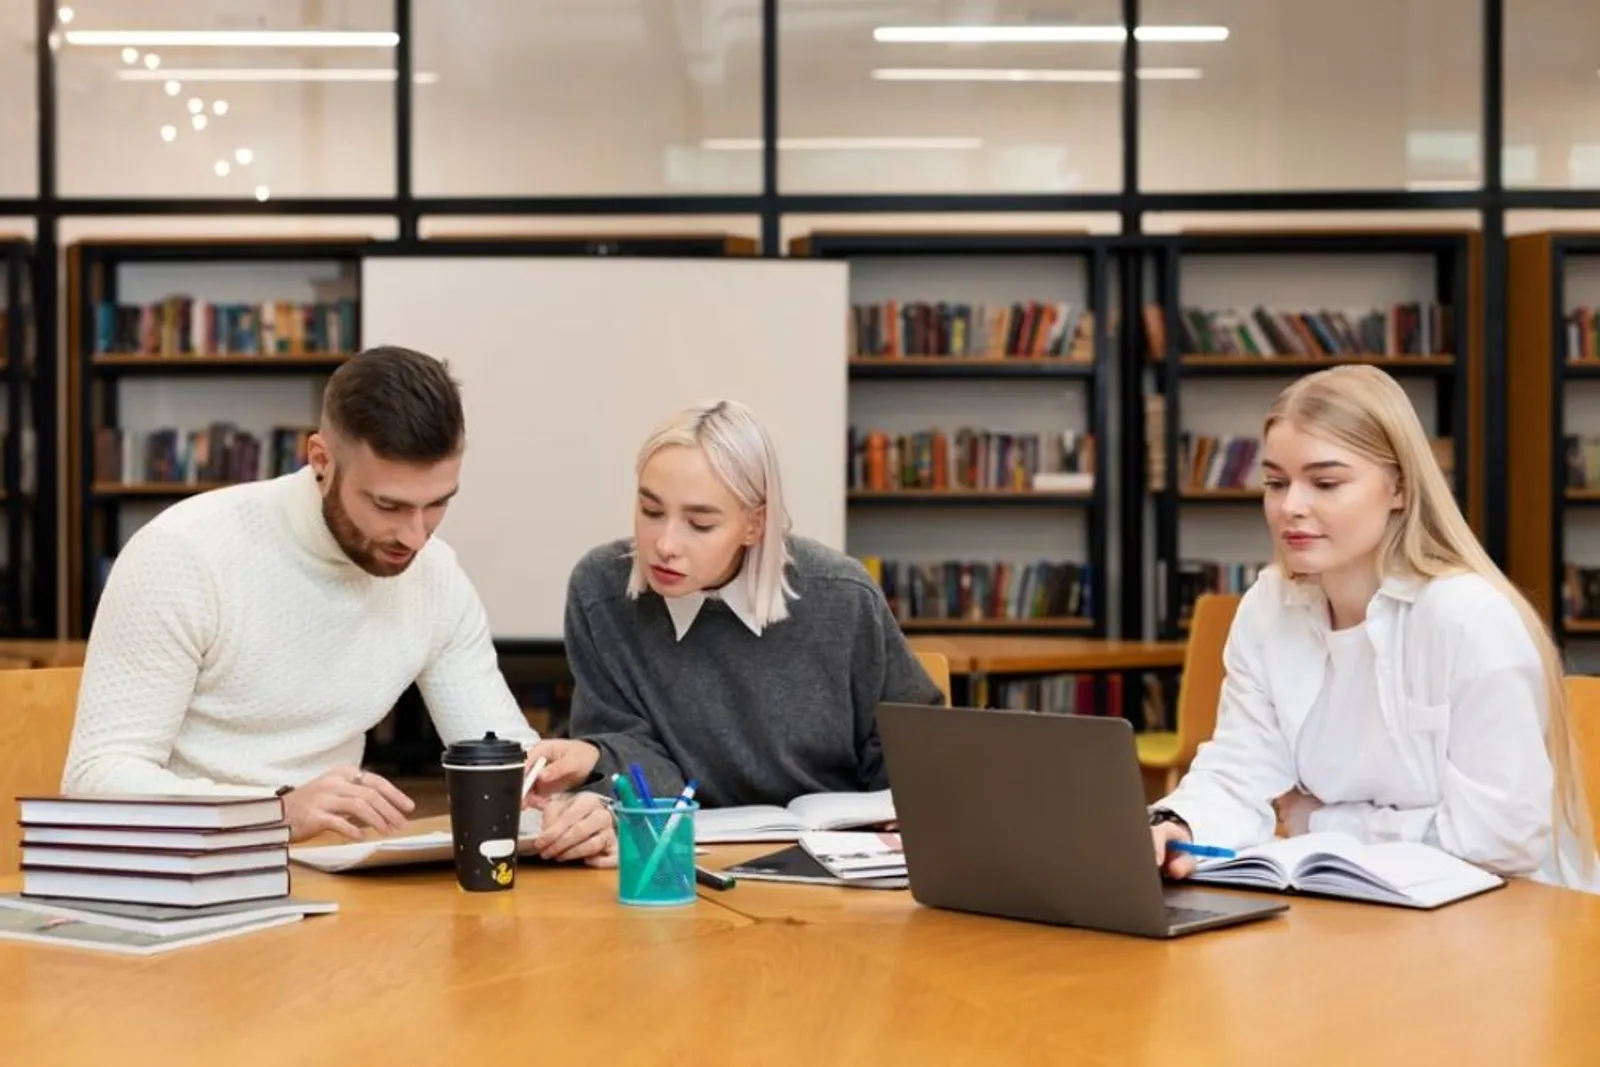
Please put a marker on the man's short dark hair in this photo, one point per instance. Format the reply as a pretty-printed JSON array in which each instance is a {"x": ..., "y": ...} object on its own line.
[{"x": 403, "y": 404}]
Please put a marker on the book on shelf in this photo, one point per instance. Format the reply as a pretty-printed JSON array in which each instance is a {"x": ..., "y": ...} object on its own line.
[
  {"x": 976, "y": 590},
  {"x": 1029, "y": 329},
  {"x": 1063, "y": 694},
  {"x": 1581, "y": 335},
  {"x": 181, "y": 325},
  {"x": 1198, "y": 576},
  {"x": 968, "y": 459},
  {"x": 1210, "y": 462},
  {"x": 814, "y": 811},
  {"x": 1403, "y": 873},
  {"x": 219, "y": 453},
  {"x": 1580, "y": 456},
  {"x": 1409, "y": 329},
  {"x": 1206, "y": 462},
  {"x": 130, "y": 861},
  {"x": 1580, "y": 593}
]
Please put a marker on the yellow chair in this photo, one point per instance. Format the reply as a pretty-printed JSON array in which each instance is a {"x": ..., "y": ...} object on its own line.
[
  {"x": 1583, "y": 701},
  {"x": 938, "y": 668},
  {"x": 36, "y": 712},
  {"x": 1165, "y": 754}
]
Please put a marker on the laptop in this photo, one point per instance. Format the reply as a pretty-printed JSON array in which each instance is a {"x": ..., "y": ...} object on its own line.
[{"x": 1040, "y": 817}]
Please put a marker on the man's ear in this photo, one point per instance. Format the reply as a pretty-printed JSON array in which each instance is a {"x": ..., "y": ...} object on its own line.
[
  {"x": 755, "y": 526},
  {"x": 319, "y": 456}
]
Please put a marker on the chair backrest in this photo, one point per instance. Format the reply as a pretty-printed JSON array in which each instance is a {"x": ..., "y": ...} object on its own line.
[
  {"x": 1200, "y": 688},
  {"x": 938, "y": 668},
  {"x": 36, "y": 712},
  {"x": 1583, "y": 700}
]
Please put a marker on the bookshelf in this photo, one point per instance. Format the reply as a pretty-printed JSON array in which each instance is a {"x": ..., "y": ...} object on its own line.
[
  {"x": 1553, "y": 431},
  {"x": 194, "y": 364},
  {"x": 26, "y": 536},
  {"x": 978, "y": 486},
  {"x": 1235, "y": 318}
]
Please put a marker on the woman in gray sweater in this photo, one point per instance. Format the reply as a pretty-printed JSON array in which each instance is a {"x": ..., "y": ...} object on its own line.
[{"x": 716, "y": 645}]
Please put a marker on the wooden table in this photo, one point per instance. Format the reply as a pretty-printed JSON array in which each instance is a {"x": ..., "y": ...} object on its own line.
[{"x": 414, "y": 971}]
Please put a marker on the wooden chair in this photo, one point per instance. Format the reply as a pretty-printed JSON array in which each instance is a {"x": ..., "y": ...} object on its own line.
[
  {"x": 938, "y": 668},
  {"x": 36, "y": 713},
  {"x": 1583, "y": 701},
  {"x": 1165, "y": 754}
]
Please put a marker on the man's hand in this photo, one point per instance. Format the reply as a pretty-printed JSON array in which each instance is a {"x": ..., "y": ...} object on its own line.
[
  {"x": 348, "y": 801},
  {"x": 1294, "y": 811},
  {"x": 568, "y": 765},
  {"x": 576, "y": 826}
]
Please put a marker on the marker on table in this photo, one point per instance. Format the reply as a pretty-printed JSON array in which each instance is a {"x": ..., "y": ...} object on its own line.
[
  {"x": 1215, "y": 852},
  {"x": 714, "y": 879}
]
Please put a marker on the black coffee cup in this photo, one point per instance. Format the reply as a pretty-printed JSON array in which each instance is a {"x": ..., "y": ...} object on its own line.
[{"x": 484, "y": 779}]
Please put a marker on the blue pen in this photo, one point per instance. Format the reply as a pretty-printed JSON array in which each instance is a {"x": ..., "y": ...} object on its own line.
[
  {"x": 646, "y": 798},
  {"x": 1207, "y": 851}
]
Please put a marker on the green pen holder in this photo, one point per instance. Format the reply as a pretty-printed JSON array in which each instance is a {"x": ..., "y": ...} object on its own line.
[{"x": 655, "y": 853}]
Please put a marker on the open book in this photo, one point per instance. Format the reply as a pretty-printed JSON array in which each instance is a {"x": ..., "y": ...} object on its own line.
[
  {"x": 411, "y": 850},
  {"x": 814, "y": 811},
  {"x": 1331, "y": 864}
]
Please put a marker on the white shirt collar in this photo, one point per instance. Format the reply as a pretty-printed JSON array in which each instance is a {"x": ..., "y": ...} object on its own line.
[{"x": 737, "y": 594}]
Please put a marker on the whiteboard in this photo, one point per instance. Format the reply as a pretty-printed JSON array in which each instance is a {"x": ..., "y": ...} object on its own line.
[{"x": 566, "y": 364}]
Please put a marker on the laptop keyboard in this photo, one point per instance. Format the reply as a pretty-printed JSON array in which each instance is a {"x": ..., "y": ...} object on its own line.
[{"x": 1177, "y": 916}]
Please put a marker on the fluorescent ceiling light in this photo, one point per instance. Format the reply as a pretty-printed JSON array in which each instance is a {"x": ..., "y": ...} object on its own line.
[
  {"x": 1002, "y": 74},
  {"x": 1043, "y": 34},
  {"x": 233, "y": 38},
  {"x": 750, "y": 144},
  {"x": 273, "y": 74}
]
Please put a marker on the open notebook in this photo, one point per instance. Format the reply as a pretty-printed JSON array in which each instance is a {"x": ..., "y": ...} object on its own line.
[
  {"x": 815, "y": 811},
  {"x": 410, "y": 850},
  {"x": 1331, "y": 864}
]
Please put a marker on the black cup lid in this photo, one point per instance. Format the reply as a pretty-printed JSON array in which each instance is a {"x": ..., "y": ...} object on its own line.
[{"x": 484, "y": 751}]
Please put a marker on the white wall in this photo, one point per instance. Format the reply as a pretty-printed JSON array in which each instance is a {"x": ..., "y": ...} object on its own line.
[{"x": 560, "y": 394}]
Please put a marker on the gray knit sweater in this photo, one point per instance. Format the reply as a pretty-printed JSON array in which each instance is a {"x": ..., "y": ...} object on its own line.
[{"x": 756, "y": 720}]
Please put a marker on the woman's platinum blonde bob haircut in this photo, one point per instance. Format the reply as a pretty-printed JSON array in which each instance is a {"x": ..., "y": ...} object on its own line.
[{"x": 743, "y": 459}]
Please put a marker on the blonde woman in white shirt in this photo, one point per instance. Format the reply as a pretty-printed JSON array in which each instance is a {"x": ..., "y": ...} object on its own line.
[{"x": 1383, "y": 678}]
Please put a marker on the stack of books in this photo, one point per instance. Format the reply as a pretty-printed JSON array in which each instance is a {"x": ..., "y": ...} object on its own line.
[{"x": 146, "y": 873}]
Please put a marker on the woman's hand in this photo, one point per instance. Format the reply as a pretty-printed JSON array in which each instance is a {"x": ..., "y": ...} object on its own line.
[
  {"x": 576, "y": 826},
  {"x": 1172, "y": 864}
]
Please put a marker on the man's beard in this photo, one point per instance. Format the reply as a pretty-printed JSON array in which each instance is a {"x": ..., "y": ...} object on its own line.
[{"x": 362, "y": 550}]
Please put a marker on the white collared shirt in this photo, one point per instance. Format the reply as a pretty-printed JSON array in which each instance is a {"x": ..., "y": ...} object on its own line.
[
  {"x": 738, "y": 594},
  {"x": 1461, "y": 706}
]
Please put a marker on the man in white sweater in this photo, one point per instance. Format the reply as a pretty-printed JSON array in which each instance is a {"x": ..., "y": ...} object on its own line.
[{"x": 249, "y": 637}]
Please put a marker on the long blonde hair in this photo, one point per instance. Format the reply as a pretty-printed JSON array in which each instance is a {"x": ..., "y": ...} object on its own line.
[
  {"x": 742, "y": 457},
  {"x": 1365, "y": 410}
]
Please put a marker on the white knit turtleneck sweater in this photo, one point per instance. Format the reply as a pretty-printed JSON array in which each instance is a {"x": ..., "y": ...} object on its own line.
[{"x": 236, "y": 648}]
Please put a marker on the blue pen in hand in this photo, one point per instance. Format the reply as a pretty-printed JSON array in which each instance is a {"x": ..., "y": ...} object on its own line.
[{"x": 1214, "y": 852}]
